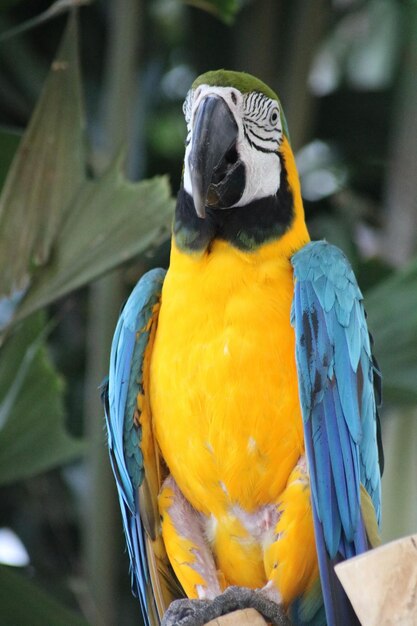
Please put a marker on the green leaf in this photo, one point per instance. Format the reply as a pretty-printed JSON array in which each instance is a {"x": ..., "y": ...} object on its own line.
[
  {"x": 32, "y": 434},
  {"x": 111, "y": 221},
  {"x": 23, "y": 603},
  {"x": 9, "y": 141},
  {"x": 223, "y": 9},
  {"x": 392, "y": 318},
  {"x": 56, "y": 8},
  {"x": 58, "y": 229},
  {"x": 46, "y": 171}
]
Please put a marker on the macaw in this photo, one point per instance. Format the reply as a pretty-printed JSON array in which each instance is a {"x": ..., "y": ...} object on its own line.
[{"x": 242, "y": 394}]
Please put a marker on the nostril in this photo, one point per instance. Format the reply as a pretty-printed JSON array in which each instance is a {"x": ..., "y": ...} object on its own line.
[
  {"x": 234, "y": 98},
  {"x": 231, "y": 155}
]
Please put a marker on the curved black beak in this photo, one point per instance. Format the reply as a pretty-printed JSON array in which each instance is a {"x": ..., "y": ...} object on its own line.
[{"x": 213, "y": 159}]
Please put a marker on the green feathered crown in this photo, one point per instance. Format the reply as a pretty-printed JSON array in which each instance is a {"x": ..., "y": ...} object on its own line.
[{"x": 245, "y": 83}]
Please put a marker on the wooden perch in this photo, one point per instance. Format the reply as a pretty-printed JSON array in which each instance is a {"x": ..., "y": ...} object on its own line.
[
  {"x": 247, "y": 617},
  {"x": 382, "y": 584}
]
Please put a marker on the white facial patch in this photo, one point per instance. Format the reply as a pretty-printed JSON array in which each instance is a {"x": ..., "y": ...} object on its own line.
[{"x": 259, "y": 137}]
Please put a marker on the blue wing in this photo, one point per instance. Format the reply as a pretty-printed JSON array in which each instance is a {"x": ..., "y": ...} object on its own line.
[
  {"x": 336, "y": 374},
  {"x": 125, "y": 383}
]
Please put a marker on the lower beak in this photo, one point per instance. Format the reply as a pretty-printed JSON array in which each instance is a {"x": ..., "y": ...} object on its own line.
[{"x": 217, "y": 175}]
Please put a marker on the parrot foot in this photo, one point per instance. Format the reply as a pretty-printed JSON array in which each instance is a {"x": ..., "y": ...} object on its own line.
[
  {"x": 186, "y": 612},
  {"x": 199, "y": 612}
]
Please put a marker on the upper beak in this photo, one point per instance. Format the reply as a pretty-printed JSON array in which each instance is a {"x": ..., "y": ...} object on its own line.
[{"x": 214, "y": 135}]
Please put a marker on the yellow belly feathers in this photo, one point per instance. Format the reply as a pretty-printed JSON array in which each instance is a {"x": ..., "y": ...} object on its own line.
[{"x": 223, "y": 383}]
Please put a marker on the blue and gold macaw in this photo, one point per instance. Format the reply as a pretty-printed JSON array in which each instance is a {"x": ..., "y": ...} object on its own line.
[{"x": 241, "y": 406}]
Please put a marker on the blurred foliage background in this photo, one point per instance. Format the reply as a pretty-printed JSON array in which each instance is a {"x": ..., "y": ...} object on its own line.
[{"x": 77, "y": 229}]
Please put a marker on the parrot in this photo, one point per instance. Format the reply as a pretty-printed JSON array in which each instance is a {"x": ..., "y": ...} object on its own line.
[{"x": 242, "y": 397}]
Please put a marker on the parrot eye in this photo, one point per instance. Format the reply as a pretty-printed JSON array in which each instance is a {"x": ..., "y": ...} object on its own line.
[
  {"x": 273, "y": 118},
  {"x": 262, "y": 122}
]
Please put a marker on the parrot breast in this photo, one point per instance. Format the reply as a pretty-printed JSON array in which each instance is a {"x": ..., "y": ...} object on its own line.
[{"x": 223, "y": 383}]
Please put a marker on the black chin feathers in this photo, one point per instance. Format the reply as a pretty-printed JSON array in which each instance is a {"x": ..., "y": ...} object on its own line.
[{"x": 246, "y": 227}]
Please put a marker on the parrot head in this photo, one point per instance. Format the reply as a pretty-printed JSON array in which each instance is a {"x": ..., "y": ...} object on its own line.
[{"x": 239, "y": 173}]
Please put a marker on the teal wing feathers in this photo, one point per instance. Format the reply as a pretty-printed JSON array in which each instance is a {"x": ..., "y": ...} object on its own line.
[
  {"x": 337, "y": 377},
  {"x": 125, "y": 383}
]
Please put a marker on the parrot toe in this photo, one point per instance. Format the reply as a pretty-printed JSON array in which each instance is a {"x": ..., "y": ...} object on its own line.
[{"x": 186, "y": 612}]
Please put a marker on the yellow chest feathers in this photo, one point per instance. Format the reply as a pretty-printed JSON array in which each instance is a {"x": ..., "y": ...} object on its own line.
[{"x": 223, "y": 384}]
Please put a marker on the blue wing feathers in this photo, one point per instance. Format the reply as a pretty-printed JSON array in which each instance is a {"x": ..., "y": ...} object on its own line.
[
  {"x": 336, "y": 383},
  {"x": 341, "y": 465},
  {"x": 124, "y": 433},
  {"x": 326, "y": 492}
]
